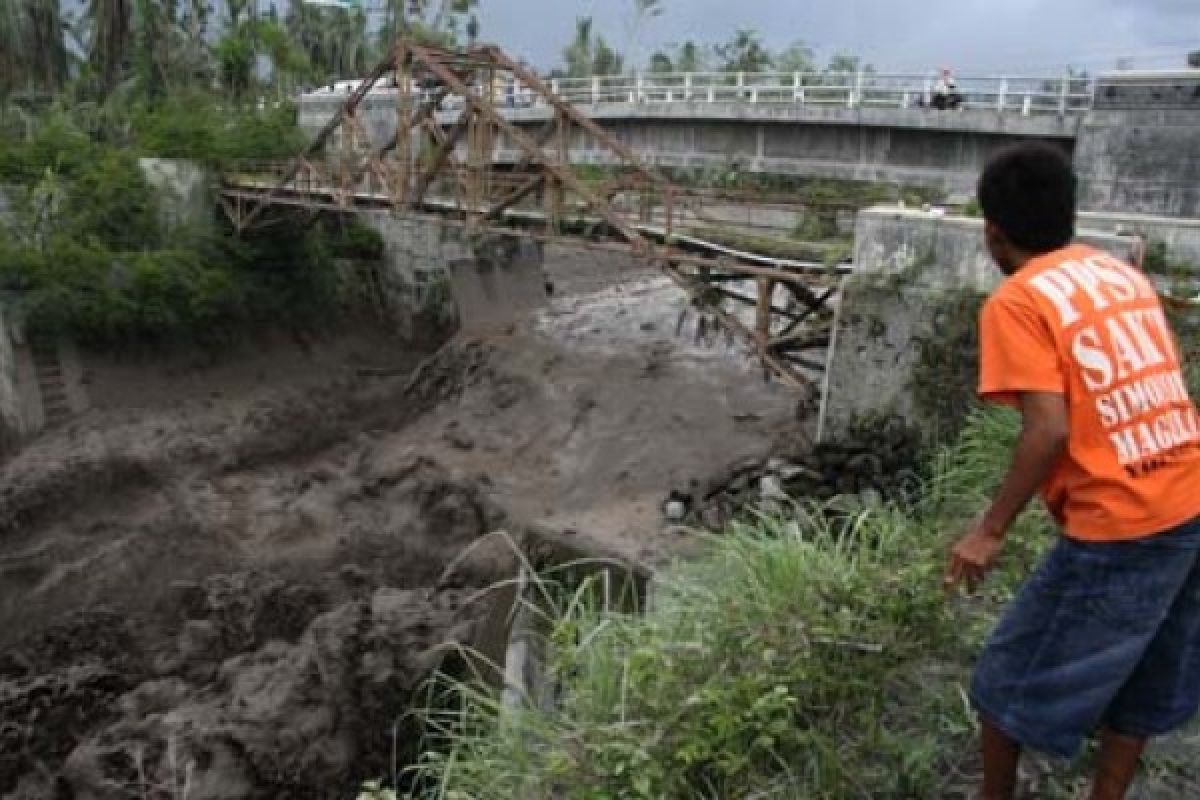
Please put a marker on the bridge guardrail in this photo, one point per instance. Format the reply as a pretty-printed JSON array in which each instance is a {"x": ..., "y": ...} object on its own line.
[
  {"x": 849, "y": 90},
  {"x": 1014, "y": 95}
]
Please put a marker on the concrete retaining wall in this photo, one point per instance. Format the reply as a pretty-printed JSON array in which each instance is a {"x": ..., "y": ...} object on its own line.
[
  {"x": 434, "y": 274},
  {"x": 905, "y": 338},
  {"x": 1180, "y": 237},
  {"x": 413, "y": 281},
  {"x": 1141, "y": 162},
  {"x": 10, "y": 402},
  {"x": 183, "y": 190}
]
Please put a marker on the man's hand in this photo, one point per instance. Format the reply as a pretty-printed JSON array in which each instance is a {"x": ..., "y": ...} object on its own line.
[
  {"x": 973, "y": 557},
  {"x": 1044, "y": 432}
]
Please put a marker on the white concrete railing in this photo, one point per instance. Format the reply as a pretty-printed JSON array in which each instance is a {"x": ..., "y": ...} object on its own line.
[
  {"x": 849, "y": 90},
  {"x": 1025, "y": 96}
]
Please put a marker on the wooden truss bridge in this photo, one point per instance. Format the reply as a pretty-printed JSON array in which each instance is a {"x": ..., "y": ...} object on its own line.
[{"x": 440, "y": 161}]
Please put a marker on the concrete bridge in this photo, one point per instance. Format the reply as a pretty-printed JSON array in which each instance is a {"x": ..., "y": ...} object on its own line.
[{"x": 1132, "y": 134}]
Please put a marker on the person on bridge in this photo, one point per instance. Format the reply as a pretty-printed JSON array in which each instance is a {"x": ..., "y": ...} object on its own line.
[
  {"x": 1105, "y": 635},
  {"x": 945, "y": 91}
]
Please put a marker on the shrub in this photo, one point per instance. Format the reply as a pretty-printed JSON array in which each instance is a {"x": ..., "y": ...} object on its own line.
[
  {"x": 805, "y": 655},
  {"x": 199, "y": 128}
]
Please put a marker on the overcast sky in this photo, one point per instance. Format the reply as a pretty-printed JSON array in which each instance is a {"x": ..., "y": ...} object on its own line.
[{"x": 1031, "y": 37}]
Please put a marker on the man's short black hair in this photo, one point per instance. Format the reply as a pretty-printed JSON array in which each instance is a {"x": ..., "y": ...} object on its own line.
[{"x": 1028, "y": 192}]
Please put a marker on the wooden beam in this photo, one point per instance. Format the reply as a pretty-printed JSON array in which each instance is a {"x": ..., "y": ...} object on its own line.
[
  {"x": 439, "y": 159},
  {"x": 561, "y": 172},
  {"x": 318, "y": 141},
  {"x": 807, "y": 340},
  {"x": 513, "y": 197},
  {"x": 604, "y": 137},
  {"x": 762, "y": 320}
]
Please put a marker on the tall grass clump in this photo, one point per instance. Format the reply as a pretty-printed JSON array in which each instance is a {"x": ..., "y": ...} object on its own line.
[{"x": 807, "y": 655}]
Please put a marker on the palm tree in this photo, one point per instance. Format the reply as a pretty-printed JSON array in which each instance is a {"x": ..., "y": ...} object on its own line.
[
  {"x": 110, "y": 24},
  {"x": 744, "y": 53},
  {"x": 33, "y": 52},
  {"x": 587, "y": 55},
  {"x": 578, "y": 54}
]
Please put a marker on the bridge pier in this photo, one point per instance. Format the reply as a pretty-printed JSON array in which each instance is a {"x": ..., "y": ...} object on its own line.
[
  {"x": 904, "y": 341},
  {"x": 436, "y": 276}
]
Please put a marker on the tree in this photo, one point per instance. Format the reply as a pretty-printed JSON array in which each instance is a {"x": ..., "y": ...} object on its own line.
[
  {"x": 152, "y": 37},
  {"x": 578, "y": 55},
  {"x": 1193, "y": 59},
  {"x": 432, "y": 21},
  {"x": 33, "y": 51},
  {"x": 235, "y": 57},
  {"x": 606, "y": 60},
  {"x": 587, "y": 55},
  {"x": 692, "y": 57},
  {"x": 842, "y": 63},
  {"x": 687, "y": 57},
  {"x": 744, "y": 53},
  {"x": 110, "y": 29},
  {"x": 660, "y": 63},
  {"x": 288, "y": 64},
  {"x": 332, "y": 41},
  {"x": 797, "y": 57}
]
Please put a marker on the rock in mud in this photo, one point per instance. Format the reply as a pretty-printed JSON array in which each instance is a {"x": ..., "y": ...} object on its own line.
[{"x": 871, "y": 465}]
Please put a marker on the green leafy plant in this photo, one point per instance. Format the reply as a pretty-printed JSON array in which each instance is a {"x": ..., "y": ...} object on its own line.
[{"x": 799, "y": 655}]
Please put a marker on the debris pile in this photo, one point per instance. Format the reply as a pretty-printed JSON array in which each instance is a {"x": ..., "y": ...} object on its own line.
[
  {"x": 261, "y": 693},
  {"x": 875, "y": 463}
]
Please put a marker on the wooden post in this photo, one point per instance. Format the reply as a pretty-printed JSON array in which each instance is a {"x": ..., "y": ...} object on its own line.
[
  {"x": 404, "y": 127},
  {"x": 762, "y": 320}
]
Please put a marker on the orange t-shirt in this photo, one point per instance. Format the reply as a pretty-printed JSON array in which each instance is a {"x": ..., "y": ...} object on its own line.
[{"x": 1089, "y": 326}]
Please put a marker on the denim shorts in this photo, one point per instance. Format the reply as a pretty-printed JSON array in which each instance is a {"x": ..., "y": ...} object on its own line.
[{"x": 1103, "y": 634}]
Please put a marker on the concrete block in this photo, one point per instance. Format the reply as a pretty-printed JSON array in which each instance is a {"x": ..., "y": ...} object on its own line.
[
  {"x": 10, "y": 402},
  {"x": 1140, "y": 162},
  {"x": 905, "y": 338},
  {"x": 937, "y": 251},
  {"x": 183, "y": 190},
  {"x": 910, "y": 353}
]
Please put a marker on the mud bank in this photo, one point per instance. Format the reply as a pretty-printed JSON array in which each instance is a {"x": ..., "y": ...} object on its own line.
[
  {"x": 242, "y": 601},
  {"x": 240, "y": 595}
]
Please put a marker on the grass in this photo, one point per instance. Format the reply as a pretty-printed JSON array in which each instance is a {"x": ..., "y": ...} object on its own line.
[
  {"x": 804, "y": 655},
  {"x": 828, "y": 252}
]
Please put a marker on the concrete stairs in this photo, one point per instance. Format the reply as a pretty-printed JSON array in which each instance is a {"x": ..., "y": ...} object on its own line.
[{"x": 48, "y": 369}]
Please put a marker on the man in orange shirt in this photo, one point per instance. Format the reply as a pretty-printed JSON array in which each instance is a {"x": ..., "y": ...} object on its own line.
[{"x": 1105, "y": 635}]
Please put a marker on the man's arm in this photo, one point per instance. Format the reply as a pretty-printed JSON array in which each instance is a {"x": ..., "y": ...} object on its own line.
[{"x": 1044, "y": 433}]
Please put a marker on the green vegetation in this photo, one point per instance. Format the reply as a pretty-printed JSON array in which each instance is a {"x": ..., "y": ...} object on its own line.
[
  {"x": 816, "y": 250},
  {"x": 158, "y": 48},
  {"x": 84, "y": 252},
  {"x": 814, "y": 191},
  {"x": 590, "y": 54},
  {"x": 810, "y": 655}
]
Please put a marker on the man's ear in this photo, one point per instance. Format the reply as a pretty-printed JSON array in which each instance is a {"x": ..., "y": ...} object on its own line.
[
  {"x": 994, "y": 236},
  {"x": 997, "y": 244}
]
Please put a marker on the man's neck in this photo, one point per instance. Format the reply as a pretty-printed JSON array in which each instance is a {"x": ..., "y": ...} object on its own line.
[{"x": 1021, "y": 259}]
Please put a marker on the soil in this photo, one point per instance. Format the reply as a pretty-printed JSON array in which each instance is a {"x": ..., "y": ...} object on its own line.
[{"x": 233, "y": 583}]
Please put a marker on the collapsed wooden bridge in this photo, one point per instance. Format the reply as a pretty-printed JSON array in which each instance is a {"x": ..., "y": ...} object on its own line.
[{"x": 440, "y": 161}]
